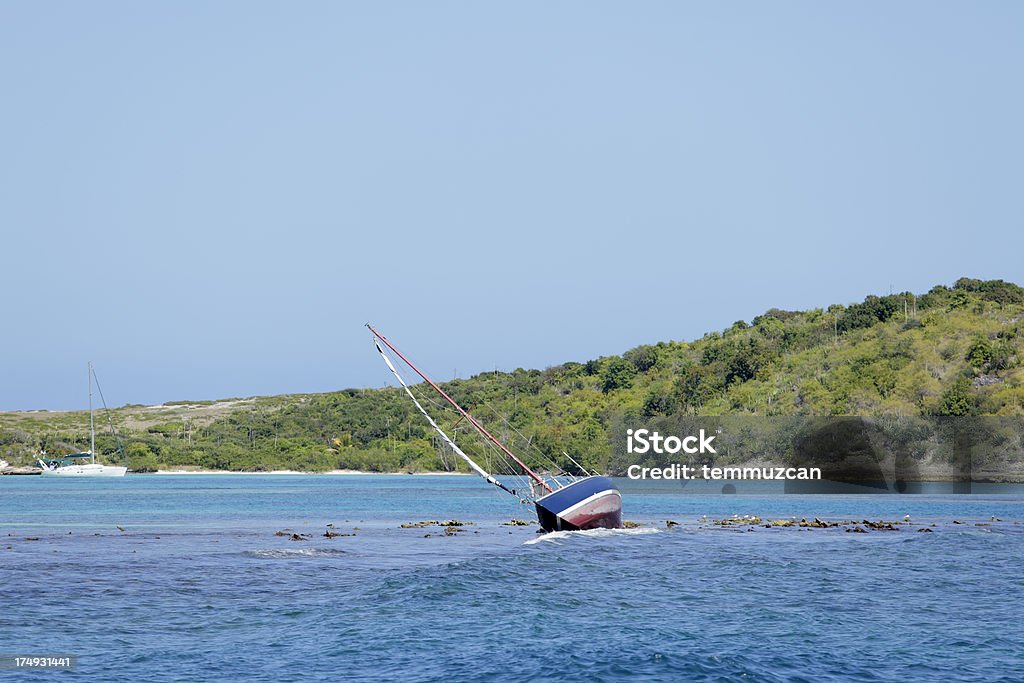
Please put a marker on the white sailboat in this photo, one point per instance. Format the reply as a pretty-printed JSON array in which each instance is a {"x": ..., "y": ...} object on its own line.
[{"x": 74, "y": 465}]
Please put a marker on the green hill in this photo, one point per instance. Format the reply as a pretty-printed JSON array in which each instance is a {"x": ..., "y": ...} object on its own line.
[{"x": 953, "y": 351}]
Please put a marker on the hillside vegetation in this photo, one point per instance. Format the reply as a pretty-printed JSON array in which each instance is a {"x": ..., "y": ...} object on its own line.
[{"x": 952, "y": 351}]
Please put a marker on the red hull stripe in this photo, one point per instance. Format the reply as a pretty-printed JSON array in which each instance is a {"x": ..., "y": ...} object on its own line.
[
  {"x": 604, "y": 500},
  {"x": 598, "y": 506}
]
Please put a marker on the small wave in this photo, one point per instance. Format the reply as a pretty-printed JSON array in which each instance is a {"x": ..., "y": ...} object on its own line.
[
  {"x": 291, "y": 553},
  {"x": 556, "y": 536}
]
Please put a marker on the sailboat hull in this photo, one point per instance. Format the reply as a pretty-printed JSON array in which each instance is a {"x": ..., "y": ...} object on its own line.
[
  {"x": 89, "y": 470},
  {"x": 590, "y": 503}
]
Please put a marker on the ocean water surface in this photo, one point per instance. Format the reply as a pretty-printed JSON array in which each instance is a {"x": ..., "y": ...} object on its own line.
[{"x": 155, "y": 578}]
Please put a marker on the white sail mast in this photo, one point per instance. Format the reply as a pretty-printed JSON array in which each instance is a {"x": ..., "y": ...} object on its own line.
[
  {"x": 479, "y": 427},
  {"x": 92, "y": 426},
  {"x": 458, "y": 451}
]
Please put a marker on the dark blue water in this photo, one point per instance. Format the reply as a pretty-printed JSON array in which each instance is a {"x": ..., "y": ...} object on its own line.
[{"x": 198, "y": 587}]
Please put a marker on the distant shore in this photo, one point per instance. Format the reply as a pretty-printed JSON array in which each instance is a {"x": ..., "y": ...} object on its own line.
[{"x": 930, "y": 476}]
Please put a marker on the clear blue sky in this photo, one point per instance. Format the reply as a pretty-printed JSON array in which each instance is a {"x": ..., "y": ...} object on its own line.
[{"x": 210, "y": 199}]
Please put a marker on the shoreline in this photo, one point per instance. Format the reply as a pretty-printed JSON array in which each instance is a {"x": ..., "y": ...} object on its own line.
[
  {"x": 929, "y": 478},
  {"x": 934, "y": 478},
  {"x": 293, "y": 472}
]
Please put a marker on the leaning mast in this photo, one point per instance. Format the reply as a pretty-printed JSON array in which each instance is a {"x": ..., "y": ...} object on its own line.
[{"x": 479, "y": 427}]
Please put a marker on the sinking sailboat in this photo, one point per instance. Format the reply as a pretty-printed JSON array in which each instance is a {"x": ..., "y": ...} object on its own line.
[
  {"x": 82, "y": 464},
  {"x": 563, "y": 502}
]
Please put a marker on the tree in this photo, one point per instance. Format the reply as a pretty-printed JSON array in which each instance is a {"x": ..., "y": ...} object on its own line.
[
  {"x": 643, "y": 357},
  {"x": 998, "y": 291},
  {"x": 141, "y": 458},
  {"x": 618, "y": 373},
  {"x": 979, "y": 354},
  {"x": 696, "y": 385},
  {"x": 659, "y": 403},
  {"x": 874, "y": 309},
  {"x": 958, "y": 400},
  {"x": 958, "y": 299},
  {"x": 987, "y": 356}
]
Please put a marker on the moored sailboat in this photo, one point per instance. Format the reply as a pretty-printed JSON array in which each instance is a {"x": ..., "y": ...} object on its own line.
[
  {"x": 81, "y": 464},
  {"x": 563, "y": 503}
]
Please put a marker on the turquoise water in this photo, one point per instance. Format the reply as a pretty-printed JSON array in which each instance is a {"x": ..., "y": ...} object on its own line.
[{"x": 198, "y": 587}]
